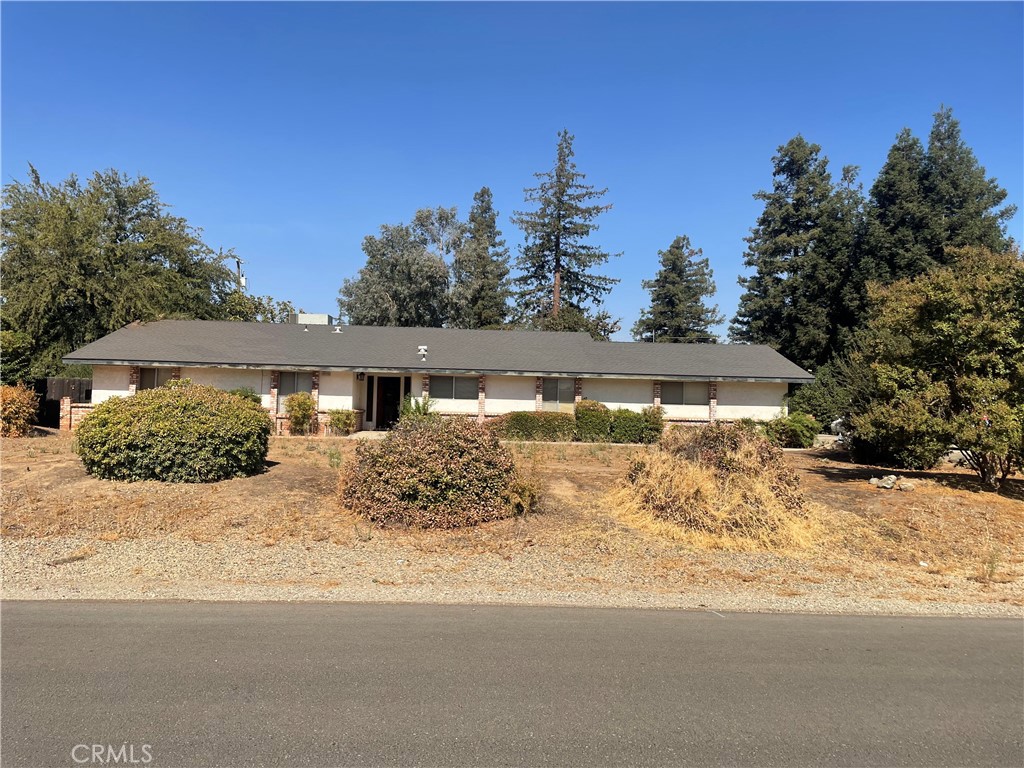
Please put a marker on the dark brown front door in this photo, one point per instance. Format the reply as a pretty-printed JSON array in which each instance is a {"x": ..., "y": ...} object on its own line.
[{"x": 389, "y": 401}]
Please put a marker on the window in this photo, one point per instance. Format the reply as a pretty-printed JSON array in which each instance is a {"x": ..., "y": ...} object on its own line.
[
  {"x": 684, "y": 393},
  {"x": 291, "y": 382},
  {"x": 454, "y": 387},
  {"x": 559, "y": 394},
  {"x": 151, "y": 378}
]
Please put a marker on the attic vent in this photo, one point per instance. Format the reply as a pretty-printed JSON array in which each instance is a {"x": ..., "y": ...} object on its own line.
[{"x": 422, "y": 352}]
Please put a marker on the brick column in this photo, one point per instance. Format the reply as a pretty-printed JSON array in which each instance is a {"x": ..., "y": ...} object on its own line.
[
  {"x": 176, "y": 374},
  {"x": 133, "y": 379},
  {"x": 425, "y": 381},
  {"x": 481, "y": 398},
  {"x": 314, "y": 390},
  {"x": 65, "y": 414},
  {"x": 538, "y": 394},
  {"x": 577, "y": 389},
  {"x": 275, "y": 386},
  {"x": 657, "y": 394},
  {"x": 712, "y": 400}
]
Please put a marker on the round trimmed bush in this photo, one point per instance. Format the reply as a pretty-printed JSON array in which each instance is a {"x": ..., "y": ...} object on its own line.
[
  {"x": 183, "y": 432},
  {"x": 18, "y": 406},
  {"x": 797, "y": 430},
  {"x": 435, "y": 473}
]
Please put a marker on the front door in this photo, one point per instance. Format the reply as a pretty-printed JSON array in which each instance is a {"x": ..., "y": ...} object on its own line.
[{"x": 389, "y": 401}]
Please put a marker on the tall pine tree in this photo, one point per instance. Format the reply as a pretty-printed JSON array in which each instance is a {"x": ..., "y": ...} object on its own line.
[
  {"x": 678, "y": 312},
  {"x": 480, "y": 271},
  {"x": 965, "y": 204},
  {"x": 802, "y": 251},
  {"x": 556, "y": 262},
  {"x": 926, "y": 202}
]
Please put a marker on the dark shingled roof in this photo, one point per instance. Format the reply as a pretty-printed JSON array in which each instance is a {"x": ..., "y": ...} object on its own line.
[{"x": 365, "y": 348}]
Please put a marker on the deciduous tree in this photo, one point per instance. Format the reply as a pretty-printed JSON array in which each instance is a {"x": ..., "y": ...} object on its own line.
[{"x": 81, "y": 261}]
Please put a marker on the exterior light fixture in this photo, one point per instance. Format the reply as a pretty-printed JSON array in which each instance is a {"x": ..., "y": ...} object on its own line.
[{"x": 360, "y": 376}]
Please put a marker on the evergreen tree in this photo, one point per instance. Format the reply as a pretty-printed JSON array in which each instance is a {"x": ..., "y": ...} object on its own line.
[
  {"x": 899, "y": 217},
  {"x": 802, "y": 250},
  {"x": 82, "y": 261},
  {"x": 964, "y": 202},
  {"x": 402, "y": 282},
  {"x": 924, "y": 203},
  {"x": 480, "y": 281},
  {"x": 556, "y": 261},
  {"x": 678, "y": 312}
]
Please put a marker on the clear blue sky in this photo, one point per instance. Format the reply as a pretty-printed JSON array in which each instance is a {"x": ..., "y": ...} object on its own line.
[{"x": 291, "y": 131}]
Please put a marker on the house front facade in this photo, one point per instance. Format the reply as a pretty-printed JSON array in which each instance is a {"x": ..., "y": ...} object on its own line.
[{"x": 484, "y": 374}]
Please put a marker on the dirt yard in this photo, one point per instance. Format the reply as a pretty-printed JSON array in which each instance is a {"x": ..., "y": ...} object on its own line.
[{"x": 945, "y": 547}]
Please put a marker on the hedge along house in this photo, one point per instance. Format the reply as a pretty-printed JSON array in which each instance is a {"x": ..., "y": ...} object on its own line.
[{"x": 468, "y": 372}]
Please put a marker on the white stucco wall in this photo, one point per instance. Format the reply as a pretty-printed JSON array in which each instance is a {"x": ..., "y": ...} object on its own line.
[
  {"x": 337, "y": 390},
  {"x": 693, "y": 412},
  {"x": 510, "y": 393},
  {"x": 750, "y": 399},
  {"x": 634, "y": 394},
  {"x": 109, "y": 381}
]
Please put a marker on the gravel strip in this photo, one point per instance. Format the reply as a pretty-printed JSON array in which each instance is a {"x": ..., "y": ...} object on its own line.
[{"x": 240, "y": 570}]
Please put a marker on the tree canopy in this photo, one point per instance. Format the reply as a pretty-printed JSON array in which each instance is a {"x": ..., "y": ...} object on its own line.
[
  {"x": 946, "y": 356},
  {"x": 678, "y": 312},
  {"x": 402, "y": 282},
  {"x": 80, "y": 261}
]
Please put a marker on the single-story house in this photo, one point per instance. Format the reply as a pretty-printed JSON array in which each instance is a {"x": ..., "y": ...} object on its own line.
[{"x": 471, "y": 372}]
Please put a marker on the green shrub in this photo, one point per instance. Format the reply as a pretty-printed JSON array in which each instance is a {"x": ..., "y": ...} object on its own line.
[
  {"x": 415, "y": 409},
  {"x": 548, "y": 426},
  {"x": 300, "y": 409},
  {"x": 247, "y": 393},
  {"x": 899, "y": 433},
  {"x": 341, "y": 422},
  {"x": 636, "y": 427},
  {"x": 182, "y": 433},
  {"x": 593, "y": 421},
  {"x": 435, "y": 473},
  {"x": 797, "y": 430},
  {"x": 18, "y": 405}
]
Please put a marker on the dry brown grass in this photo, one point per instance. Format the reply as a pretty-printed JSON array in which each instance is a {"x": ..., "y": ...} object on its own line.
[
  {"x": 746, "y": 500},
  {"x": 968, "y": 538}
]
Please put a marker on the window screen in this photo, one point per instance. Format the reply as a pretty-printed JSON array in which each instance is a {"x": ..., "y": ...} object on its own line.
[
  {"x": 453, "y": 387},
  {"x": 684, "y": 393},
  {"x": 558, "y": 394},
  {"x": 151, "y": 378}
]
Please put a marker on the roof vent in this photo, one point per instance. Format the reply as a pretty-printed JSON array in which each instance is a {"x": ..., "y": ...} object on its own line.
[
  {"x": 305, "y": 329},
  {"x": 337, "y": 329},
  {"x": 422, "y": 352}
]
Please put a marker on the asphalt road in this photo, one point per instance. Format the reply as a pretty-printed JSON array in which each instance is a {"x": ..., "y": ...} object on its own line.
[{"x": 331, "y": 685}]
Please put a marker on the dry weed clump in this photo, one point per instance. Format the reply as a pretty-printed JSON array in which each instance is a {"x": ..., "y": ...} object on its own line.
[{"x": 718, "y": 486}]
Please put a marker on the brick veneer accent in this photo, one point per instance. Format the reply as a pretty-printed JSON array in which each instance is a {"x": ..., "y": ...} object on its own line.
[
  {"x": 481, "y": 398},
  {"x": 712, "y": 400},
  {"x": 65, "y": 413},
  {"x": 425, "y": 381},
  {"x": 176, "y": 374},
  {"x": 71, "y": 414},
  {"x": 314, "y": 390},
  {"x": 538, "y": 394},
  {"x": 657, "y": 394},
  {"x": 275, "y": 386},
  {"x": 133, "y": 379},
  {"x": 577, "y": 389}
]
